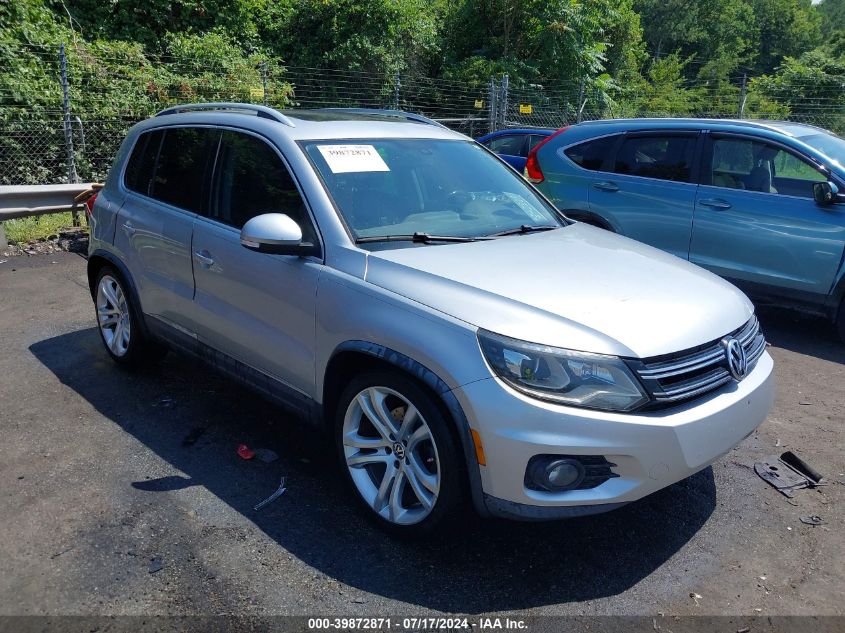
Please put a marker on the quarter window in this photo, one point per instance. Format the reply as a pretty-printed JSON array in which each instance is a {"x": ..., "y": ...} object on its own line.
[
  {"x": 511, "y": 144},
  {"x": 591, "y": 155},
  {"x": 757, "y": 166},
  {"x": 252, "y": 180},
  {"x": 141, "y": 166},
  {"x": 661, "y": 157}
]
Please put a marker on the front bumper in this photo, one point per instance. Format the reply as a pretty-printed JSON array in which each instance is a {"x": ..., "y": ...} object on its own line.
[{"x": 650, "y": 450}]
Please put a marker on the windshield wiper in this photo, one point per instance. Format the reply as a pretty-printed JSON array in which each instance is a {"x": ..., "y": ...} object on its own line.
[
  {"x": 526, "y": 228},
  {"x": 423, "y": 238}
]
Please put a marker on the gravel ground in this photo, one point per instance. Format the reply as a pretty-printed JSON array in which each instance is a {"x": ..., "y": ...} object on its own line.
[{"x": 103, "y": 473}]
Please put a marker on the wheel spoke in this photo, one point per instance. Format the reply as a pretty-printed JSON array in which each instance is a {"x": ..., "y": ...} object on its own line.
[
  {"x": 355, "y": 440},
  {"x": 408, "y": 422},
  {"x": 118, "y": 333},
  {"x": 361, "y": 459},
  {"x": 420, "y": 474},
  {"x": 420, "y": 435},
  {"x": 108, "y": 318},
  {"x": 425, "y": 497},
  {"x": 372, "y": 404},
  {"x": 395, "y": 501},
  {"x": 386, "y": 487},
  {"x": 111, "y": 295}
]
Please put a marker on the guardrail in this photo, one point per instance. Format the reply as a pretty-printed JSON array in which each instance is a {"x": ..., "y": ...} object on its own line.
[{"x": 18, "y": 201}]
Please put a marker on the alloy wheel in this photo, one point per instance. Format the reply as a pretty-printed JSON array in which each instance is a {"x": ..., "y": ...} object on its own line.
[
  {"x": 113, "y": 315},
  {"x": 391, "y": 455}
]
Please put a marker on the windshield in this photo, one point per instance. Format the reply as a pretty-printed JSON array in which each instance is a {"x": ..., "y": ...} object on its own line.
[
  {"x": 828, "y": 144},
  {"x": 396, "y": 187}
]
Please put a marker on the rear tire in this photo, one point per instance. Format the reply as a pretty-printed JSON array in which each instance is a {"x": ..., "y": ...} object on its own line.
[
  {"x": 840, "y": 321},
  {"x": 399, "y": 455},
  {"x": 119, "y": 322}
]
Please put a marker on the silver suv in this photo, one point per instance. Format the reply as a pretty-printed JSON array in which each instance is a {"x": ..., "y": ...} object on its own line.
[{"x": 398, "y": 286}]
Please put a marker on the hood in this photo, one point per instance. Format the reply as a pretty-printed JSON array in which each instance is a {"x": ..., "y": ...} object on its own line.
[{"x": 577, "y": 287}]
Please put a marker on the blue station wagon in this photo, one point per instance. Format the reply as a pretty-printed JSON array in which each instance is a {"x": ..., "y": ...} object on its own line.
[
  {"x": 513, "y": 145},
  {"x": 757, "y": 202}
]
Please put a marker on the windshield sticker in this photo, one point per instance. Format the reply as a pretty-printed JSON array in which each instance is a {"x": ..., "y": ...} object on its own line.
[
  {"x": 532, "y": 212},
  {"x": 344, "y": 159}
]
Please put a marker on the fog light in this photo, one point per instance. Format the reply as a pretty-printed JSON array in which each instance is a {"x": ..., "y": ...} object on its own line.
[
  {"x": 564, "y": 474},
  {"x": 550, "y": 472}
]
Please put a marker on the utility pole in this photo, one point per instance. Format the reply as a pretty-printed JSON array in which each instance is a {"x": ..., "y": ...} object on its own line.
[
  {"x": 743, "y": 95},
  {"x": 71, "y": 162},
  {"x": 397, "y": 84}
]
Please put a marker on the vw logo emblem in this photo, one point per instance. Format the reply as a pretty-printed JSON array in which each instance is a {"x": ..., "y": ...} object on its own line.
[
  {"x": 736, "y": 358},
  {"x": 399, "y": 450}
]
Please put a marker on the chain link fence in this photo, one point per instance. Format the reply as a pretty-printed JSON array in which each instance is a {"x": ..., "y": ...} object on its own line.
[{"x": 72, "y": 124}]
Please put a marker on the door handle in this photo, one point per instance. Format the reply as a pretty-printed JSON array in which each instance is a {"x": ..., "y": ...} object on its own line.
[
  {"x": 204, "y": 258},
  {"x": 606, "y": 185},
  {"x": 716, "y": 203},
  {"x": 129, "y": 229}
]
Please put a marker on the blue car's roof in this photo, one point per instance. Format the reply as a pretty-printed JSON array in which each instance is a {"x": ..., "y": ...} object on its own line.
[
  {"x": 539, "y": 131},
  {"x": 789, "y": 128}
]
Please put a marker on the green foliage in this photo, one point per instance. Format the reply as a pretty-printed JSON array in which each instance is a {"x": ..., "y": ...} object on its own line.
[
  {"x": 129, "y": 58},
  {"x": 380, "y": 36},
  {"x": 807, "y": 88}
]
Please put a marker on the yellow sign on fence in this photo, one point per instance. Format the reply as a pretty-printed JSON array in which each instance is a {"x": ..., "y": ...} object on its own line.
[
  {"x": 526, "y": 108},
  {"x": 479, "y": 104},
  {"x": 256, "y": 93}
]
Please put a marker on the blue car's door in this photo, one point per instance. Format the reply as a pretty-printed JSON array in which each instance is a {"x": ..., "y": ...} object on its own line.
[
  {"x": 512, "y": 148},
  {"x": 647, "y": 190},
  {"x": 756, "y": 220}
]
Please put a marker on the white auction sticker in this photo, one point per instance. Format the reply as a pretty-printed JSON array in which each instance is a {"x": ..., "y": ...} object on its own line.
[{"x": 343, "y": 159}]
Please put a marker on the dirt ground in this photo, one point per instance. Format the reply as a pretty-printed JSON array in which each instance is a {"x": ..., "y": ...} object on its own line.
[{"x": 104, "y": 474}]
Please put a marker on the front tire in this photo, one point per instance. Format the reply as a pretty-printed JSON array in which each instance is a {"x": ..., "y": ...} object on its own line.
[
  {"x": 840, "y": 321},
  {"x": 119, "y": 322},
  {"x": 399, "y": 454}
]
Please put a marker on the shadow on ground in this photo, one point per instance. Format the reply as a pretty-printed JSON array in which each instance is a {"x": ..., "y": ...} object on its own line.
[
  {"x": 802, "y": 333},
  {"x": 194, "y": 420}
]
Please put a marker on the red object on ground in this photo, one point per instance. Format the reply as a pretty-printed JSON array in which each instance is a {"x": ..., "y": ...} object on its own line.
[{"x": 245, "y": 452}]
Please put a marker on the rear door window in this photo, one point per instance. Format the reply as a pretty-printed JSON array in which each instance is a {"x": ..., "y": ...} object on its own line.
[
  {"x": 510, "y": 144},
  {"x": 665, "y": 157},
  {"x": 591, "y": 154},
  {"x": 184, "y": 162}
]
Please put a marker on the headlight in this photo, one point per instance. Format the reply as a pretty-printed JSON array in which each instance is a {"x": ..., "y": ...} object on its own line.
[{"x": 578, "y": 379}]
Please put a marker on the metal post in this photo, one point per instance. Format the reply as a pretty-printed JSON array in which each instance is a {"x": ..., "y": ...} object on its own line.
[
  {"x": 581, "y": 104},
  {"x": 3, "y": 242},
  {"x": 503, "y": 103},
  {"x": 71, "y": 161},
  {"x": 492, "y": 102},
  {"x": 397, "y": 84},
  {"x": 742, "y": 97},
  {"x": 263, "y": 66}
]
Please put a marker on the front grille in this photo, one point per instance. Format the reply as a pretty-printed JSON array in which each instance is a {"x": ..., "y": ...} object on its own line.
[{"x": 682, "y": 376}]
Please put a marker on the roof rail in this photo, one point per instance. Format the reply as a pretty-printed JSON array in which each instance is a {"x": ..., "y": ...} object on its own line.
[
  {"x": 261, "y": 111},
  {"x": 397, "y": 114}
]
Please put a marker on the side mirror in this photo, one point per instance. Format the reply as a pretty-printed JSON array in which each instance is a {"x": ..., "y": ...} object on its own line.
[
  {"x": 275, "y": 233},
  {"x": 825, "y": 193}
]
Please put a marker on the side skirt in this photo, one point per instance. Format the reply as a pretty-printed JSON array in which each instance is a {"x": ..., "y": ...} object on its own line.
[{"x": 268, "y": 386}]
